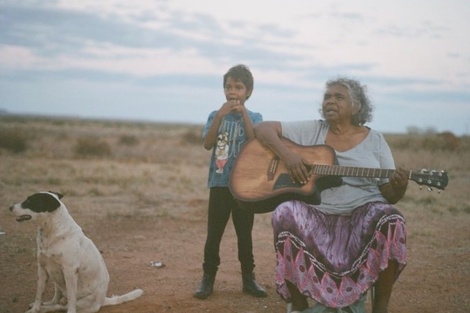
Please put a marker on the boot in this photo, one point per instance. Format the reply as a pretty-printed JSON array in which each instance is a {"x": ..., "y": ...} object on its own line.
[
  {"x": 206, "y": 287},
  {"x": 251, "y": 287}
]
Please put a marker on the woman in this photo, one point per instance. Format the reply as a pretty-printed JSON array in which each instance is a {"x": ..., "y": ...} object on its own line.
[{"x": 354, "y": 239}]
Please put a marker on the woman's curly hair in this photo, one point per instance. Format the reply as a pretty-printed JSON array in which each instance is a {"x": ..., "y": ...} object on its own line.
[{"x": 359, "y": 98}]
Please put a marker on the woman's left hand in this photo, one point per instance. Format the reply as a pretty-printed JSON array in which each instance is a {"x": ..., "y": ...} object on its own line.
[
  {"x": 396, "y": 188},
  {"x": 399, "y": 179}
]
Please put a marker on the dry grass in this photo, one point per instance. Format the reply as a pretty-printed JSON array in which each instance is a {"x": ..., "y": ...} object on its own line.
[
  {"x": 154, "y": 176},
  {"x": 106, "y": 159}
]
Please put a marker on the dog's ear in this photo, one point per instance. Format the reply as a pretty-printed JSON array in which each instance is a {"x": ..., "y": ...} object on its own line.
[{"x": 57, "y": 194}]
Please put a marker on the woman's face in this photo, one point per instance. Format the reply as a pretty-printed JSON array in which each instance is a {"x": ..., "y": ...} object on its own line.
[{"x": 337, "y": 104}]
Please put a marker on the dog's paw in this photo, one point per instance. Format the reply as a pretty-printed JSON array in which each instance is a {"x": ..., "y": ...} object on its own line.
[
  {"x": 63, "y": 301},
  {"x": 33, "y": 309}
]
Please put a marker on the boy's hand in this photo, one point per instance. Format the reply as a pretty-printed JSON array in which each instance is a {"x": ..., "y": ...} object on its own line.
[
  {"x": 236, "y": 105},
  {"x": 231, "y": 106}
]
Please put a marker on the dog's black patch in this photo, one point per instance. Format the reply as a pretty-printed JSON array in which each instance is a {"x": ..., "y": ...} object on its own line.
[{"x": 41, "y": 202}]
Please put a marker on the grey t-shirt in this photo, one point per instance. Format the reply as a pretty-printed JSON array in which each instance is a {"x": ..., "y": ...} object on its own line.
[{"x": 372, "y": 152}]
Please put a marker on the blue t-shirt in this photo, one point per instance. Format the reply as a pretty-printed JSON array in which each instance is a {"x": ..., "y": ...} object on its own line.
[{"x": 230, "y": 139}]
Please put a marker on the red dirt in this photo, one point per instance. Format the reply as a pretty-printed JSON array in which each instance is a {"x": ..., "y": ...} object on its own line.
[{"x": 435, "y": 280}]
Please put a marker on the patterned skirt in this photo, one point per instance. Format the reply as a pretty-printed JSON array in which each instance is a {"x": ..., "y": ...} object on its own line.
[{"x": 335, "y": 259}]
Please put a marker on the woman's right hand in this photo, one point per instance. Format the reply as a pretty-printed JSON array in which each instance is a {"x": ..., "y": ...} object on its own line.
[
  {"x": 269, "y": 133},
  {"x": 297, "y": 168}
]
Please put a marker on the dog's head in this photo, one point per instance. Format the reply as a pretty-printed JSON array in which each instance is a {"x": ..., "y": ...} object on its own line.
[{"x": 35, "y": 205}]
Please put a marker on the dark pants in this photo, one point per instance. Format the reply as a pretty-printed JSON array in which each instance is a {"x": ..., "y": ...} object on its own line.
[{"x": 221, "y": 204}]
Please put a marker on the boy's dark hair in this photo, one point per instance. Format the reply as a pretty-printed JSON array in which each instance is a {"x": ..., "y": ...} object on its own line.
[{"x": 242, "y": 73}]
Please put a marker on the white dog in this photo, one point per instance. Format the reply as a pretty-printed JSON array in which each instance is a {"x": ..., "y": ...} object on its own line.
[{"x": 67, "y": 257}]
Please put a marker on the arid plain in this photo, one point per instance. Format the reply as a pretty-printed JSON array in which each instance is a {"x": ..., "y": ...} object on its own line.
[{"x": 138, "y": 190}]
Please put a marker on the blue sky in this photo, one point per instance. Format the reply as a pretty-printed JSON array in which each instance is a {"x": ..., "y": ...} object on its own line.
[{"x": 164, "y": 60}]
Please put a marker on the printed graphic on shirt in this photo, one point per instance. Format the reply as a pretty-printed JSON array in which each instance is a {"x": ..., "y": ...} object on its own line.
[{"x": 221, "y": 152}]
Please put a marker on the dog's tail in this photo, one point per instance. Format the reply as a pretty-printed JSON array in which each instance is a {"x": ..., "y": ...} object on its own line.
[{"x": 134, "y": 294}]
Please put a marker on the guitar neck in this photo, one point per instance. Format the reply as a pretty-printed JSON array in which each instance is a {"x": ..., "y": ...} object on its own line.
[{"x": 349, "y": 171}]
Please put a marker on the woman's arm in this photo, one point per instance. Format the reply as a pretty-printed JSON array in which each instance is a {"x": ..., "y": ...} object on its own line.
[
  {"x": 269, "y": 134},
  {"x": 395, "y": 189}
]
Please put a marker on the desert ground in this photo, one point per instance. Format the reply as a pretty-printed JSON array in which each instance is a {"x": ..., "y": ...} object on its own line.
[{"x": 138, "y": 190}]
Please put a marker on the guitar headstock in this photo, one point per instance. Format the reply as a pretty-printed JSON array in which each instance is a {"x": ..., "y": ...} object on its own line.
[{"x": 430, "y": 178}]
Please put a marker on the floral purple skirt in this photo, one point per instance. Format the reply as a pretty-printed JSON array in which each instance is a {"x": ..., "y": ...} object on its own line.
[{"x": 335, "y": 259}]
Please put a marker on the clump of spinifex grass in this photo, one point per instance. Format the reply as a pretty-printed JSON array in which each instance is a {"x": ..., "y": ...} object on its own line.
[
  {"x": 14, "y": 140},
  {"x": 91, "y": 146}
]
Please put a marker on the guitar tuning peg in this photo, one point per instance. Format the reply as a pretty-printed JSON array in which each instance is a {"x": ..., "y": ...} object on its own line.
[
  {"x": 429, "y": 189},
  {"x": 420, "y": 187}
]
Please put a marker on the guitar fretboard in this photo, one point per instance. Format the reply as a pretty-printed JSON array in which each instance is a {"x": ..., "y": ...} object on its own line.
[{"x": 338, "y": 170}]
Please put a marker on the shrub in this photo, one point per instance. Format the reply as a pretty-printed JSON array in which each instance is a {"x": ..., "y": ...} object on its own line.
[
  {"x": 192, "y": 136},
  {"x": 428, "y": 141},
  {"x": 451, "y": 142},
  {"x": 128, "y": 140},
  {"x": 91, "y": 146},
  {"x": 13, "y": 140}
]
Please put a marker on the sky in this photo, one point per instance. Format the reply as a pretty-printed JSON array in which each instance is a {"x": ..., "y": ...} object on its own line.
[{"x": 162, "y": 60}]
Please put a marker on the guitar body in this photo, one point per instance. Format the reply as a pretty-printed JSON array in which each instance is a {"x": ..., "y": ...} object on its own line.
[{"x": 260, "y": 181}]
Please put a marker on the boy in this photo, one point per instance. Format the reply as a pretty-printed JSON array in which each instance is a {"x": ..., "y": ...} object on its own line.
[{"x": 226, "y": 131}]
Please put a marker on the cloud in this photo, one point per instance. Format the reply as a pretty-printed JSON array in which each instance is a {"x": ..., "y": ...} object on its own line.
[
  {"x": 135, "y": 56},
  {"x": 59, "y": 38}
]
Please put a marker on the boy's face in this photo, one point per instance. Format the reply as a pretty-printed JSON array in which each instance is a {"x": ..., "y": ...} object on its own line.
[{"x": 236, "y": 90}]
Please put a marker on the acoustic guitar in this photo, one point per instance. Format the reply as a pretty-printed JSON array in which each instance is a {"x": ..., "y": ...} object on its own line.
[{"x": 260, "y": 181}]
